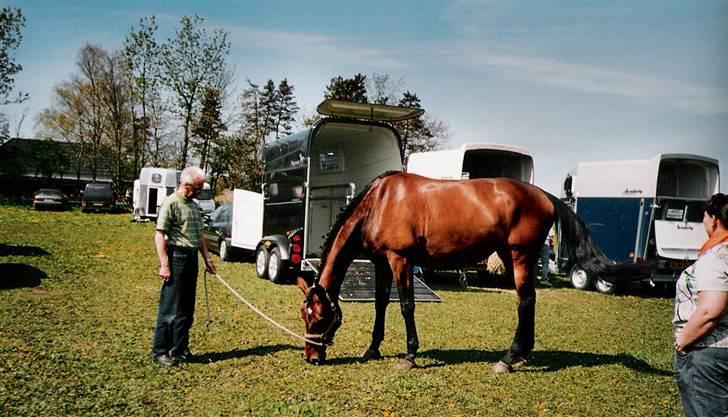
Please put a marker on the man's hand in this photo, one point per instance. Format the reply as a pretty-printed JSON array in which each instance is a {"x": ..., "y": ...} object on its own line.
[
  {"x": 210, "y": 266},
  {"x": 164, "y": 273}
]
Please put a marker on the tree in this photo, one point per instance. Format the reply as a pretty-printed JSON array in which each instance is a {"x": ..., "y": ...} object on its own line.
[
  {"x": 209, "y": 127},
  {"x": 91, "y": 61},
  {"x": 382, "y": 90},
  {"x": 117, "y": 106},
  {"x": 68, "y": 118},
  {"x": 141, "y": 53},
  {"x": 191, "y": 61},
  {"x": 347, "y": 89},
  {"x": 268, "y": 98},
  {"x": 285, "y": 110},
  {"x": 11, "y": 23},
  {"x": 253, "y": 121},
  {"x": 4, "y": 129},
  {"x": 49, "y": 158}
]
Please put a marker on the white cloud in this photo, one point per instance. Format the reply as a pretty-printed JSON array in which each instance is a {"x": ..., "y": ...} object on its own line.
[
  {"x": 314, "y": 47},
  {"x": 590, "y": 79}
]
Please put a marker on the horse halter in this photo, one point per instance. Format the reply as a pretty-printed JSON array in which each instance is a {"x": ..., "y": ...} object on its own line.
[{"x": 327, "y": 337}]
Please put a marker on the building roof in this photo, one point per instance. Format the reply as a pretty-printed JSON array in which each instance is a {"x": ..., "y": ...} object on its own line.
[{"x": 20, "y": 149}]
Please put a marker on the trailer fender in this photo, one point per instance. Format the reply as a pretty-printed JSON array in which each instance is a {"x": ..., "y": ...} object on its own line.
[{"x": 279, "y": 241}]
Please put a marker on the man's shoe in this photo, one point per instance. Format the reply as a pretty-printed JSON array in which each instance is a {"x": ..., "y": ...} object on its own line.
[
  {"x": 164, "y": 360},
  {"x": 184, "y": 356}
]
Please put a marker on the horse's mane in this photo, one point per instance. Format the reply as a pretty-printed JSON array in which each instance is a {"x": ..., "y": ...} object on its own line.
[{"x": 346, "y": 213}]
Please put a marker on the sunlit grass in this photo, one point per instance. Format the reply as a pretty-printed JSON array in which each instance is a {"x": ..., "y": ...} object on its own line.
[{"x": 78, "y": 298}]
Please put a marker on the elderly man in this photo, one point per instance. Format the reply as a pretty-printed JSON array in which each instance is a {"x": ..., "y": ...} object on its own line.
[{"x": 178, "y": 238}]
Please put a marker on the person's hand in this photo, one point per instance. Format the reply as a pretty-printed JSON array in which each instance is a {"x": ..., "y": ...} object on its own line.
[
  {"x": 164, "y": 273},
  {"x": 210, "y": 266}
]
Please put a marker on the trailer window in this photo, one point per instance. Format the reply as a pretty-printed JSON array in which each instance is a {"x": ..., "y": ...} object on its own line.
[
  {"x": 682, "y": 179},
  {"x": 329, "y": 162},
  {"x": 157, "y": 178}
]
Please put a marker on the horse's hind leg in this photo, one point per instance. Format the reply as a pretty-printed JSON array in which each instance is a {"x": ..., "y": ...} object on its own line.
[
  {"x": 383, "y": 287},
  {"x": 524, "y": 339},
  {"x": 402, "y": 271}
]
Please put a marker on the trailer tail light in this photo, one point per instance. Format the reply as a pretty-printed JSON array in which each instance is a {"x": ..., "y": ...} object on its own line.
[
  {"x": 83, "y": 202},
  {"x": 296, "y": 249}
]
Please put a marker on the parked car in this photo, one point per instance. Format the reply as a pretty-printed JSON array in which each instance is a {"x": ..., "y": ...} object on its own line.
[
  {"x": 217, "y": 230},
  {"x": 97, "y": 196},
  {"x": 49, "y": 198}
]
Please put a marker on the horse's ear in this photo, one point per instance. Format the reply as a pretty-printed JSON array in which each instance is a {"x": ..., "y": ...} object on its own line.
[{"x": 302, "y": 284}]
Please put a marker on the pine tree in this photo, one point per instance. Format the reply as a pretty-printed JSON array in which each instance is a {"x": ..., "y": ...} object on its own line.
[
  {"x": 286, "y": 109},
  {"x": 209, "y": 126},
  {"x": 347, "y": 89}
]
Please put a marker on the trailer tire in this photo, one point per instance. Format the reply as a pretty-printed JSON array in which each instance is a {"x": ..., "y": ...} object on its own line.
[
  {"x": 579, "y": 278},
  {"x": 261, "y": 262},
  {"x": 276, "y": 266},
  {"x": 604, "y": 287},
  {"x": 225, "y": 251}
]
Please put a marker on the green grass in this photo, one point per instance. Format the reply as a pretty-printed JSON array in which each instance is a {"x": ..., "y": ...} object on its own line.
[{"x": 78, "y": 298}]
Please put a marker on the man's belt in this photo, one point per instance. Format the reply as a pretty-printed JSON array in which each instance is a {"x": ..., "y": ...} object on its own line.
[{"x": 184, "y": 249}]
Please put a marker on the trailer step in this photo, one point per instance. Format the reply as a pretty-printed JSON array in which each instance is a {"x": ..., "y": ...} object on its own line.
[{"x": 358, "y": 285}]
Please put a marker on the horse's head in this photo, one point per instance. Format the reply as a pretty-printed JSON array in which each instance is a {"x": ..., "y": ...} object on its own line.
[{"x": 322, "y": 317}]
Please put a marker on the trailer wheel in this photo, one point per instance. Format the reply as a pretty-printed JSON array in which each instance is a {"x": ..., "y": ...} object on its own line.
[
  {"x": 225, "y": 254},
  {"x": 579, "y": 278},
  {"x": 604, "y": 287},
  {"x": 261, "y": 262},
  {"x": 276, "y": 266}
]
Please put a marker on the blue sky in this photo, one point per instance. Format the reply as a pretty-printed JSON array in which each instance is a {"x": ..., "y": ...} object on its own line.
[{"x": 570, "y": 81}]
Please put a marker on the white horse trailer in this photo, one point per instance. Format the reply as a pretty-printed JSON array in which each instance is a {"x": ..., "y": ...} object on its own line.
[
  {"x": 642, "y": 211},
  {"x": 150, "y": 190},
  {"x": 474, "y": 160}
]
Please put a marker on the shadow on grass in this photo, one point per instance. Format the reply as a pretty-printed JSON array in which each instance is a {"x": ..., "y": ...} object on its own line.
[
  {"x": 543, "y": 361},
  {"x": 21, "y": 250},
  {"x": 211, "y": 357},
  {"x": 20, "y": 276}
]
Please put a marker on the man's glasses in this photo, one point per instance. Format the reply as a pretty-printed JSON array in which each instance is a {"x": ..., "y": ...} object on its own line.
[{"x": 195, "y": 189}]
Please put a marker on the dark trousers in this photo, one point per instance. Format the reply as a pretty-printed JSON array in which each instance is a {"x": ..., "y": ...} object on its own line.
[
  {"x": 702, "y": 377},
  {"x": 176, "y": 304}
]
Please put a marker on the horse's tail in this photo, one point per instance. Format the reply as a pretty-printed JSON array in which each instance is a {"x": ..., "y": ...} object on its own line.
[
  {"x": 581, "y": 249},
  {"x": 577, "y": 241}
]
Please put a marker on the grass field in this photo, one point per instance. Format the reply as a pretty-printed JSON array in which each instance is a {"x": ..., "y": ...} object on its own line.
[{"x": 78, "y": 298}]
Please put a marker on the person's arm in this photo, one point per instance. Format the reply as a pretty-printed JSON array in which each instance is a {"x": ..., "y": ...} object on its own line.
[
  {"x": 161, "y": 243},
  {"x": 711, "y": 307},
  {"x": 209, "y": 265}
]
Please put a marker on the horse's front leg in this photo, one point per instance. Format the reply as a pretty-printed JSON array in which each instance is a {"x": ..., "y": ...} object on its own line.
[
  {"x": 383, "y": 287},
  {"x": 524, "y": 339},
  {"x": 402, "y": 270}
]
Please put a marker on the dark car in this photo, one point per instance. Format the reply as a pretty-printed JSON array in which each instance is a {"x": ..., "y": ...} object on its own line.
[
  {"x": 97, "y": 197},
  {"x": 217, "y": 229},
  {"x": 49, "y": 198}
]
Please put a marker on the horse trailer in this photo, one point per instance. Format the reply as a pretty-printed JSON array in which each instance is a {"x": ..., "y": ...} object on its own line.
[
  {"x": 308, "y": 178},
  {"x": 474, "y": 160},
  {"x": 150, "y": 190},
  {"x": 642, "y": 211},
  {"x": 155, "y": 184}
]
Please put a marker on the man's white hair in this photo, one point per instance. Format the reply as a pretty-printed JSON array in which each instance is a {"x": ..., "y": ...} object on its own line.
[{"x": 191, "y": 174}]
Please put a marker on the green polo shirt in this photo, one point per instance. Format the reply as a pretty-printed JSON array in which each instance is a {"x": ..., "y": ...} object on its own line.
[{"x": 179, "y": 218}]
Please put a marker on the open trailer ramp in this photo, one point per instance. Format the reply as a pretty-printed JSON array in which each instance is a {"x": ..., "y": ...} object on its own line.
[{"x": 358, "y": 285}]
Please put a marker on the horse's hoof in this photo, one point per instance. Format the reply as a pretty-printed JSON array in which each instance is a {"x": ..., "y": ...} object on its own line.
[
  {"x": 406, "y": 364},
  {"x": 501, "y": 367},
  {"x": 370, "y": 354}
]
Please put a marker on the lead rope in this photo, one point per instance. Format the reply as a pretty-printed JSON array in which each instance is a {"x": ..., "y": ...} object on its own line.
[{"x": 258, "y": 312}]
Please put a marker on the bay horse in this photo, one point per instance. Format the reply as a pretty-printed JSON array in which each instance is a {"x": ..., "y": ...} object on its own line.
[{"x": 400, "y": 220}]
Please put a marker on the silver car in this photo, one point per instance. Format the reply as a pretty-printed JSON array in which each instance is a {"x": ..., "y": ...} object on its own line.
[{"x": 49, "y": 198}]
